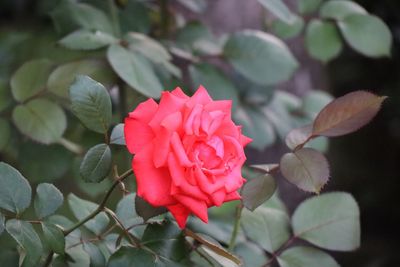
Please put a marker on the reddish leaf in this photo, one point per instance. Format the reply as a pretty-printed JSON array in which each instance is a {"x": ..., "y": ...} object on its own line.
[
  {"x": 298, "y": 137},
  {"x": 307, "y": 168},
  {"x": 347, "y": 114},
  {"x": 258, "y": 190},
  {"x": 267, "y": 168}
]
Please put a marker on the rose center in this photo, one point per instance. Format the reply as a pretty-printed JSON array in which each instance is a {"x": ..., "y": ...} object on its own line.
[{"x": 209, "y": 153}]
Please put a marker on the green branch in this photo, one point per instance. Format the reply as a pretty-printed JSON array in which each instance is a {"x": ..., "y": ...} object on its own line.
[
  {"x": 236, "y": 227},
  {"x": 102, "y": 205}
]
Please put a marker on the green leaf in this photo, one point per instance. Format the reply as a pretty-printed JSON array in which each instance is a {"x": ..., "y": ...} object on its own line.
[
  {"x": 148, "y": 47},
  {"x": 74, "y": 257},
  {"x": 2, "y": 220},
  {"x": 47, "y": 200},
  {"x": 41, "y": 120},
  {"x": 323, "y": 40},
  {"x": 307, "y": 257},
  {"x": 321, "y": 144},
  {"x": 15, "y": 191},
  {"x": 63, "y": 76},
  {"x": 82, "y": 208},
  {"x": 5, "y": 133},
  {"x": 70, "y": 15},
  {"x": 55, "y": 159},
  {"x": 126, "y": 211},
  {"x": 267, "y": 227},
  {"x": 87, "y": 40},
  {"x": 193, "y": 35},
  {"x": 258, "y": 190},
  {"x": 347, "y": 114},
  {"x": 213, "y": 249},
  {"x": 54, "y": 237},
  {"x": 367, "y": 34},
  {"x": 279, "y": 112},
  {"x": 135, "y": 70},
  {"x": 128, "y": 257},
  {"x": 166, "y": 239},
  {"x": 5, "y": 96},
  {"x": 96, "y": 164},
  {"x": 287, "y": 31},
  {"x": 279, "y": 9},
  {"x": 330, "y": 221},
  {"x": 219, "y": 228},
  {"x": 97, "y": 258},
  {"x": 28, "y": 239},
  {"x": 340, "y": 9},
  {"x": 306, "y": 168},
  {"x": 9, "y": 257},
  {"x": 30, "y": 79},
  {"x": 64, "y": 223},
  {"x": 146, "y": 210},
  {"x": 308, "y": 6},
  {"x": 91, "y": 103},
  {"x": 197, "y": 6},
  {"x": 135, "y": 17},
  {"x": 216, "y": 82},
  {"x": 117, "y": 135},
  {"x": 314, "y": 102},
  {"x": 256, "y": 126},
  {"x": 249, "y": 52},
  {"x": 251, "y": 254}
]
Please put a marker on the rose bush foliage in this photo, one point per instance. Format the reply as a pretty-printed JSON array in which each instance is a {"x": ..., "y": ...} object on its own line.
[{"x": 61, "y": 108}]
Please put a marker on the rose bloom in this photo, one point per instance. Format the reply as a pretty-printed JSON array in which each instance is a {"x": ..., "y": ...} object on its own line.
[{"x": 188, "y": 153}]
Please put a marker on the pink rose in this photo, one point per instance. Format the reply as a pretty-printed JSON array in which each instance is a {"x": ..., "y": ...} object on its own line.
[{"x": 188, "y": 153}]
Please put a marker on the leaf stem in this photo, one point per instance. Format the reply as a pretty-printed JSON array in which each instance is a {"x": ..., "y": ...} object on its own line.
[
  {"x": 236, "y": 227},
  {"x": 49, "y": 258},
  {"x": 71, "y": 146},
  {"x": 132, "y": 238},
  {"x": 280, "y": 250},
  {"x": 102, "y": 205},
  {"x": 164, "y": 18},
  {"x": 114, "y": 18}
]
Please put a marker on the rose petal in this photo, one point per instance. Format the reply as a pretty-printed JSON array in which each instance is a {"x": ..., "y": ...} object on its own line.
[
  {"x": 201, "y": 97},
  {"x": 218, "y": 197},
  {"x": 189, "y": 120},
  {"x": 179, "y": 180},
  {"x": 232, "y": 196},
  {"x": 228, "y": 128},
  {"x": 197, "y": 207},
  {"x": 218, "y": 118},
  {"x": 180, "y": 151},
  {"x": 218, "y": 145},
  {"x": 178, "y": 92},
  {"x": 169, "y": 104},
  {"x": 137, "y": 134},
  {"x": 205, "y": 184},
  {"x": 181, "y": 213},
  {"x": 220, "y": 105},
  {"x": 245, "y": 140},
  {"x": 206, "y": 121},
  {"x": 145, "y": 111},
  {"x": 234, "y": 180},
  {"x": 161, "y": 147},
  {"x": 173, "y": 122},
  {"x": 233, "y": 145},
  {"x": 153, "y": 184}
]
